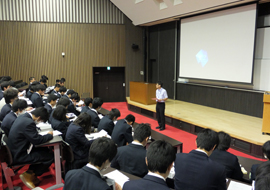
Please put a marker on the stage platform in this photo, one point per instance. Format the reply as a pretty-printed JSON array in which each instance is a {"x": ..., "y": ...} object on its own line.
[{"x": 245, "y": 130}]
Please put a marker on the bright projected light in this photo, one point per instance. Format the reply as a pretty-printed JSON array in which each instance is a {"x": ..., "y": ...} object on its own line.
[{"x": 219, "y": 46}]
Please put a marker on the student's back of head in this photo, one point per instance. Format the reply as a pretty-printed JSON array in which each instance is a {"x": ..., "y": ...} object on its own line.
[
  {"x": 224, "y": 141},
  {"x": 57, "y": 86},
  {"x": 160, "y": 156},
  {"x": 52, "y": 97},
  {"x": 10, "y": 94},
  {"x": 102, "y": 150},
  {"x": 114, "y": 114},
  {"x": 266, "y": 149},
  {"x": 75, "y": 97},
  {"x": 39, "y": 87},
  {"x": 70, "y": 92},
  {"x": 130, "y": 119},
  {"x": 31, "y": 79},
  {"x": 43, "y": 80},
  {"x": 62, "y": 89},
  {"x": 5, "y": 85},
  {"x": 19, "y": 105},
  {"x": 84, "y": 121},
  {"x": 33, "y": 86},
  {"x": 97, "y": 102},
  {"x": 60, "y": 113},
  {"x": 262, "y": 181},
  {"x": 42, "y": 113},
  {"x": 207, "y": 139},
  {"x": 63, "y": 101},
  {"x": 44, "y": 77},
  {"x": 141, "y": 132},
  {"x": 88, "y": 101}
]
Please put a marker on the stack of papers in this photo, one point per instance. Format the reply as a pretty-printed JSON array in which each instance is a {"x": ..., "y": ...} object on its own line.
[
  {"x": 79, "y": 109},
  {"x": 118, "y": 177},
  {"x": 44, "y": 126},
  {"x": 100, "y": 116},
  {"x": 55, "y": 133},
  {"x": 101, "y": 133},
  {"x": 80, "y": 103}
]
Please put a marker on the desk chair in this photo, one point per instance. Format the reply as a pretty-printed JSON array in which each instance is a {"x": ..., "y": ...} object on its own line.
[{"x": 67, "y": 158}]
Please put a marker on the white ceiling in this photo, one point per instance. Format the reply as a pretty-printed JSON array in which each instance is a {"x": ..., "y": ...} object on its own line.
[{"x": 151, "y": 12}]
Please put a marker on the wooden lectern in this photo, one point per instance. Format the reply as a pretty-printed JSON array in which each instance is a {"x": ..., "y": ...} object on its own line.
[
  {"x": 266, "y": 113},
  {"x": 142, "y": 92}
]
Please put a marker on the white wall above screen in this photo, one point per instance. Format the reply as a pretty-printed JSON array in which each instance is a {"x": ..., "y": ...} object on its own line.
[
  {"x": 148, "y": 11},
  {"x": 219, "y": 45}
]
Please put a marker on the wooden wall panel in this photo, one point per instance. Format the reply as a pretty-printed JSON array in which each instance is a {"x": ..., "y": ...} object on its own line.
[{"x": 33, "y": 49}]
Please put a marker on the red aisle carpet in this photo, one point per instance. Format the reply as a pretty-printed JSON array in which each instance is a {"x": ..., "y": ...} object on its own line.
[{"x": 47, "y": 179}]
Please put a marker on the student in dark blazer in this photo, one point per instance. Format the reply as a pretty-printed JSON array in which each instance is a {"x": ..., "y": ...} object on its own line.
[
  {"x": 10, "y": 95},
  {"x": 266, "y": 153},
  {"x": 22, "y": 134},
  {"x": 107, "y": 122},
  {"x": 93, "y": 112},
  {"x": 75, "y": 137},
  {"x": 51, "y": 103},
  {"x": 4, "y": 86},
  {"x": 43, "y": 81},
  {"x": 195, "y": 170},
  {"x": 31, "y": 90},
  {"x": 62, "y": 101},
  {"x": 122, "y": 132},
  {"x": 18, "y": 108},
  {"x": 101, "y": 154},
  {"x": 131, "y": 158},
  {"x": 36, "y": 97},
  {"x": 87, "y": 105},
  {"x": 230, "y": 161},
  {"x": 72, "y": 106},
  {"x": 56, "y": 90},
  {"x": 262, "y": 181},
  {"x": 59, "y": 121},
  {"x": 62, "y": 91},
  {"x": 159, "y": 159}
]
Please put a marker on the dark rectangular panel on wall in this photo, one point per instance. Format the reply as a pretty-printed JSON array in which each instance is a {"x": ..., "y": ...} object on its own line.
[
  {"x": 244, "y": 102},
  {"x": 153, "y": 54},
  {"x": 167, "y": 56}
]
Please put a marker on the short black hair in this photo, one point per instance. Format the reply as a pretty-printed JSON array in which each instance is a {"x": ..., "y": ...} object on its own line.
[
  {"x": 63, "y": 79},
  {"x": 42, "y": 113},
  {"x": 59, "y": 113},
  {"x": 75, "y": 96},
  {"x": 160, "y": 83},
  {"x": 44, "y": 77},
  {"x": 10, "y": 94},
  {"x": 62, "y": 89},
  {"x": 142, "y": 131},
  {"x": 262, "y": 176},
  {"x": 43, "y": 80},
  {"x": 266, "y": 149},
  {"x": 57, "y": 86},
  {"x": 83, "y": 120},
  {"x": 33, "y": 86},
  {"x": 4, "y": 84},
  {"x": 12, "y": 83},
  {"x": 263, "y": 183},
  {"x": 70, "y": 92},
  {"x": 19, "y": 104},
  {"x": 5, "y": 78},
  {"x": 130, "y": 118},
  {"x": 207, "y": 139},
  {"x": 57, "y": 81},
  {"x": 63, "y": 101},
  {"x": 39, "y": 87},
  {"x": 101, "y": 150},
  {"x": 87, "y": 101},
  {"x": 31, "y": 78},
  {"x": 52, "y": 97},
  {"x": 224, "y": 141},
  {"x": 97, "y": 102},
  {"x": 114, "y": 113},
  {"x": 160, "y": 155}
]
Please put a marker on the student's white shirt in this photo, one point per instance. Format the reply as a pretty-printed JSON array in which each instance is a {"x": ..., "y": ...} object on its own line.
[{"x": 156, "y": 175}]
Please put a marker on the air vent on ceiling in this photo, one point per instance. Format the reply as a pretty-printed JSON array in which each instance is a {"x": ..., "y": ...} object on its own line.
[{"x": 161, "y": 4}]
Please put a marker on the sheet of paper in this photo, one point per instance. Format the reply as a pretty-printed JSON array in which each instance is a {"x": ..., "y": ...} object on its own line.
[
  {"x": 80, "y": 102},
  {"x": 118, "y": 177},
  {"x": 79, "y": 109},
  {"x": 55, "y": 133},
  {"x": 44, "y": 126},
  {"x": 238, "y": 186},
  {"x": 101, "y": 133},
  {"x": 100, "y": 116}
]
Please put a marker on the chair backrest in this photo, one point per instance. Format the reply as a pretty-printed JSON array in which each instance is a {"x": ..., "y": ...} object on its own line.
[
  {"x": 5, "y": 155},
  {"x": 67, "y": 153}
]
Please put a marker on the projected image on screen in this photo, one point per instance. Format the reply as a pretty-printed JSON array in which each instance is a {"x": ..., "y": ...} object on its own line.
[{"x": 219, "y": 45}]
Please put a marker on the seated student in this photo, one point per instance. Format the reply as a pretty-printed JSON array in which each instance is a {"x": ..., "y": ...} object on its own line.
[
  {"x": 59, "y": 121},
  {"x": 62, "y": 91},
  {"x": 18, "y": 108},
  {"x": 22, "y": 134},
  {"x": 230, "y": 161},
  {"x": 93, "y": 112},
  {"x": 62, "y": 82},
  {"x": 31, "y": 89},
  {"x": 262, "y": 181},
  {"x": 56, "y": 90},
  {"x": 36, "y": 96},
  {"x": 131, "y": 158},
  {"x": 43, "y": 81},
  {"x": 4, "y": 86},
  {"x": 62, "y": 101},
  {"x": 51, "y": 103},
  {"x": 75, "y": 137},
  {"x": 69, "y": 94},
  {"x": 87, "y": 105},
  {"x": 101, "y": 154},
  {"x": 122, "y": 132},
  {"x": 72, "y": 106},
  {"x": 195, "y": 170},
  {"x": 10, "y": 95},
  {"x": 266, "y": 153},
  {"x": 159, "y": 159},
  {"x": 107, "y": 122},
  {"x": 31, "y": 80}
]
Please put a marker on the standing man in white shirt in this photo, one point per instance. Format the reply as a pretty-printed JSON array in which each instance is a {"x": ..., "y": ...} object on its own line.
[{"x": 161, "y": 97}]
